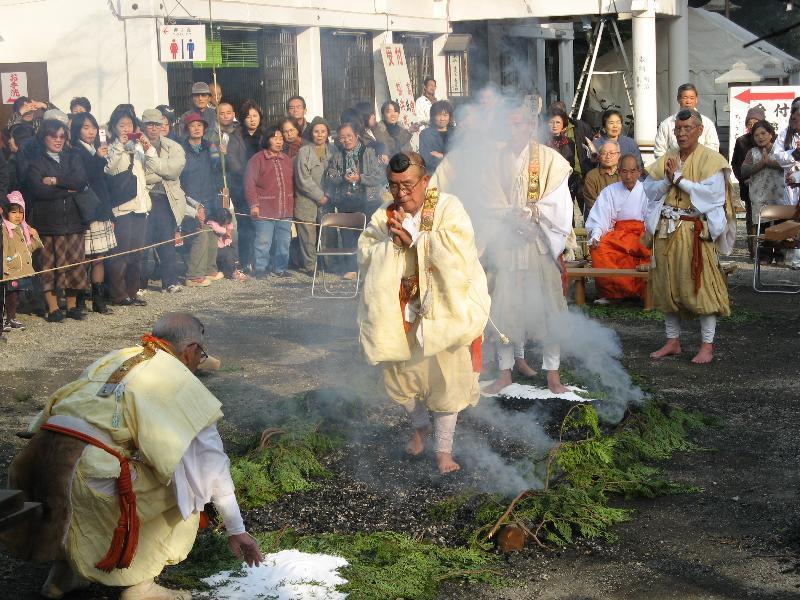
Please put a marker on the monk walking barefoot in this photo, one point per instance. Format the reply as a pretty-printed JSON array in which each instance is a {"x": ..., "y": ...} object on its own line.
[
  {"x": 671, "y": 348},
  {"x": 554, "y": 382},
  {"x": 416, "y": 444},
  {"x": 445, "y": 462},
  {"x": 503, "y": 381},
  {"x": 523, "y": 368},
  {"x": 705, "y": 355}
]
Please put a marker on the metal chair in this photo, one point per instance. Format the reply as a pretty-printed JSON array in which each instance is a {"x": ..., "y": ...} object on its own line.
[
  {"x": 772, "y": 212},
  {"x": 356, "y": 220}
]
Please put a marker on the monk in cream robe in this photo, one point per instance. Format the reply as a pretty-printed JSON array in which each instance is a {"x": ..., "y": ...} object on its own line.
[
  {"x": 690, "y": 216},
  {"x": 616, "y": 226},
  {"x": 424, "y": 305},
  {"x": 156, "y": 413}
]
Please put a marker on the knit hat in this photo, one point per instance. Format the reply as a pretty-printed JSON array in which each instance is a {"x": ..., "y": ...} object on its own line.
[
  {"x": 756, "y": 112},
  {"x": 193, "y": 117},
  {"x": 16, "y": 198},
  {"x": 318, "y": 121},
  {"x": 56, "y": 114},
  {"x": 200, "y": 88},
  {"x": 152, "y": 115}
]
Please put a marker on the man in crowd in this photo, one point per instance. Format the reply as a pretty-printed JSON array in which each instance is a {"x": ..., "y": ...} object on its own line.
[
  {"x": 296, "y": 108},
  {"x": 418, "y": 253},
  {"x": 201, "y": 179},
  {"x": 216, "y": 94},
  {"x": 690, "y": 215},
  {"x": 422, "y": 107},
  {"x": 603, "y": 175},
  {"x": 615, "y": 226},
  {"x": 163, "y": 168},
  {"x": 525, "y": 256},
  {"x": 112, "y": 518},
  {"x": 201, "y": 100},
  {"x": 665, "y": 138},
  {"x": 79, "y": 104}
]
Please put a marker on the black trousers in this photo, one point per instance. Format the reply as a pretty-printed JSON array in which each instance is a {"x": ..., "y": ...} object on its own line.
[
  {"x": 123, "y": 273},
  {"x": 161, "y": 228}
]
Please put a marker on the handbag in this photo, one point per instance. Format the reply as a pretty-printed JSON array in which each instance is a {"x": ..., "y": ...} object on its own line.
[
  {"x": 123, "y": 187},
  {"x": 88, "y": 203}
]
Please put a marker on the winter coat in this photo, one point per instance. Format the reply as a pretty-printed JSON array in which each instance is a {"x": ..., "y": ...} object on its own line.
[
  {"x": 52, "y": 208},
  {"x": 391, "y": 145},
  {"x": 202, "y": 176},
  {"x": 431, "y": 140},
  {"x": 166, "y": 166},
  {"x": 119, "y": 159},
  {"x": 18, "y": 255},
  {"x": 367, "y": 196},
  {"x": 95, "y": 166},
  {"x": 269, "y": 185},
  {"x": 309, "y": 170}
]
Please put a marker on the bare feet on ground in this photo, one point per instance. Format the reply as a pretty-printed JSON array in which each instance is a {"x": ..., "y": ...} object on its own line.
[
  {"x": 705, "y": 355},
  {"x": 503, "y": 380},
  {"x": 671, "y": 348},
  {"x": 416, "y": 444},
  {"x": 523, "y": 368},
  {"x": 554, "y": 382},
  {"x": 445, "y": 462}
]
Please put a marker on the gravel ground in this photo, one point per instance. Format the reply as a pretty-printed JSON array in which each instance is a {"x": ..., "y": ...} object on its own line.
[{"x": 739, "y": 538}]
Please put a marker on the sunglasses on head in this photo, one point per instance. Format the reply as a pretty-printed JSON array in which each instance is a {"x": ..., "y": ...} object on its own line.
[{"x": 399, "y": 163}]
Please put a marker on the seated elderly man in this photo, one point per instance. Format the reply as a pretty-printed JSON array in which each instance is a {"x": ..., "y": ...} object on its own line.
[
  {"x": 123, "y": 460},
  {"x": 615, "y": 226},
  {"x": 603, "y": 175}
]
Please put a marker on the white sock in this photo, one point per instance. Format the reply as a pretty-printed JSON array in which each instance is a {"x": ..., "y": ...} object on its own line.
[
  {"x": 672, "y": 323},
  {"x": 444, "y": 428},
  {"x": 505, "y": 356},
  {"x": 708, "y": 327}
]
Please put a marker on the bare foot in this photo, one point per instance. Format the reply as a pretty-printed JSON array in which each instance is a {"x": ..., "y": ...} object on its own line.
[
  {"x": 671, "y": 348},
  {"x": 416, "y": 444},
  {"x": 554, "y": 382},
  {"x": 705, "y": 355},
  {"x": 445, "y": 462},
  {"x": 523, "y": 368},
  {"x": 503, "y": 380}
]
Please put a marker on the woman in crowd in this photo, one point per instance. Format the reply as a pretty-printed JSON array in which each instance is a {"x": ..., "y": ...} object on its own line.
[
  {"x": 367, "y": 120},
  {"x": 99, "y": 238},
  {"x": 310, "y": 200},
  {"x": 389, "y": 133},
  {"x": 765, "y": 179},
  {"x": 269, "y": 190},
  {"x": 291, "y": 136},
  {"x": 127, "y": 154},
  {"x": 353, "y": 182},
  {"x": 612, "y": 131},
  {"x": 250, "y": 117},
  {"x": 53, "y": 179},
  {"x": 433, "y": 140},
  {"x": 573, "y": 152},
  {"x": 741, "y": 149}
]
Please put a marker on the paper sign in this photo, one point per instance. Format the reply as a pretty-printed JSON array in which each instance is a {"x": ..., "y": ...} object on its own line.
[
  {"x": 182, "y": 43},
  {"x": 400, "y": 90},
  {"x": 776, "y": 100},
  {"x": 13, "y": 85}
]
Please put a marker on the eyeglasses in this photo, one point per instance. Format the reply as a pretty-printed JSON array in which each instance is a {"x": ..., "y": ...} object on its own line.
[
  {"x": 203, "y": 353},
  {"x": 404, "y": 188}
]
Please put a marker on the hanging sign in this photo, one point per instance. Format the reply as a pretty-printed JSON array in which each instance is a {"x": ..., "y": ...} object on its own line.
[
  {"x": 400, "y": 89},
  {"x": 776, "y": 100},
  {"x": 182, "y": 43},
  {"x": 13, "y": 85}
]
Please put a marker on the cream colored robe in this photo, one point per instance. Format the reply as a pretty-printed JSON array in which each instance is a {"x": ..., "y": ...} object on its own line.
[{"x": 160, "y": 410}]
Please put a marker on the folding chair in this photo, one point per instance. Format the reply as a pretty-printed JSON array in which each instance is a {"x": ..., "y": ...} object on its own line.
[
  {"x": 356, "y": 220},
  {"x": 772, "y": 212}
]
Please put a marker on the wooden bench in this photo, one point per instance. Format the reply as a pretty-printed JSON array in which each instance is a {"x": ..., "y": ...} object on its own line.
[{"x": 580, "y": 274}]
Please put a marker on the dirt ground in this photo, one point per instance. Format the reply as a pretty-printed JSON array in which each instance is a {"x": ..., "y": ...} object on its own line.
[{"x": 737, "y": 539}]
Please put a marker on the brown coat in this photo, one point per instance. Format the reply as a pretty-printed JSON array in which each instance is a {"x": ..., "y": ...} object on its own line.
[{"x": 17, "y": 255}]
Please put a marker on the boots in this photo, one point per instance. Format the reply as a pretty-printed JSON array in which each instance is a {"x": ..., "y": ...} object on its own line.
[
  {"x": 98, "y": 300},
  {"x": 149, "y": 590}
]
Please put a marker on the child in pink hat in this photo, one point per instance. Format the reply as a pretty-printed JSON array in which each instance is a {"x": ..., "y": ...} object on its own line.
[{"x": 20, "y": 241}]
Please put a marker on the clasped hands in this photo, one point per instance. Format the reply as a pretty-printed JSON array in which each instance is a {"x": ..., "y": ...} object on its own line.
[
  {"x": 400, "y": 236},
  {"x": 671, "y": 165}
]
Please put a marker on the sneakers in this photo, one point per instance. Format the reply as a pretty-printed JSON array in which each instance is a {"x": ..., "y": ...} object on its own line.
[
  {"x": 174, "y": 289},
  {"x": 13, "y": 324},
  {"x": 75, "y": 313},
  {"x": 6, "y": 326},
  {"x": 602, "y": 302},
  {"x": 141, "y": 293},
  {"x": 198, "y": 282},
  {"x": 239, "y": 276},
  {"x": 216, "y": 276}
]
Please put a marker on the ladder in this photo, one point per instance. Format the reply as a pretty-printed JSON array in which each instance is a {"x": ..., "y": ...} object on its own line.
[{"x": 585, "y": 81}]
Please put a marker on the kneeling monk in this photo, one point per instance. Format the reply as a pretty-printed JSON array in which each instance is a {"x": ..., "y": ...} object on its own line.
[
  {"x": 123, "y": 460},
  {"x": 616, "y": 226},
  {"x": 425, "y": 304}
]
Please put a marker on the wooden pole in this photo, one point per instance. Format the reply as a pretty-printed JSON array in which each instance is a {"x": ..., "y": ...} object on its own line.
[{"x": 226, "y": 202}]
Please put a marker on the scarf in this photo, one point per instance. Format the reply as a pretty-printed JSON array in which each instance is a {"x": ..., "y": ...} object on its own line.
[{"x": 351, "y": 158}]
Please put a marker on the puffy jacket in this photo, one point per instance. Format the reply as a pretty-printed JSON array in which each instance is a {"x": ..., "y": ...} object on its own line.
[
  {"x": 202, "y": 176},
  {"x": 95, "y": 165},
  {"x": 53, "y": 210},
  {"x": 166, "y": 166}
]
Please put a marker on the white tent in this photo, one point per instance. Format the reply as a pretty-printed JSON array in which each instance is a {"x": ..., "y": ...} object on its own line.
[{"x": 715, "y": 44}]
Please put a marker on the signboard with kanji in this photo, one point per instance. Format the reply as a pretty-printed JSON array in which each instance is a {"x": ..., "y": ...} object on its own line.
[
  {"x": 400, "y": 89},
  {"x": 182, "y": 43},
  {"x": 13, "y": 85},
  {"x": 776, "y": 100}
]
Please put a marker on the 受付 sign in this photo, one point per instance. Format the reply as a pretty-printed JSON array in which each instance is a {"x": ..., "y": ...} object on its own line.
[
  {"x": 179, "y": 43},
  {"x": 400, "y": 89},
  {"x": 13, "y": 85},
  {"x": 776, "y": 100}
]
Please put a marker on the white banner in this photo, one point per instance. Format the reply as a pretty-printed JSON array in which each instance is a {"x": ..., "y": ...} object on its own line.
[
  {"x": 400, "y": 90},
  {"x": 776, "y": 100},
  {"x": 182, "y": 43},
  {"x": 13, "y": 85}
]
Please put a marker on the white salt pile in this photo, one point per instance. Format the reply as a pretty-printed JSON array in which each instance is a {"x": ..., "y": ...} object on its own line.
[
  {"x": 530, "y": 392},
  {"x": 285, "y": 575}
]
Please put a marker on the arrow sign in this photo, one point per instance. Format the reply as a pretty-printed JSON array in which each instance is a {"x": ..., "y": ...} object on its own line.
[{"x": 748, "y": 96}]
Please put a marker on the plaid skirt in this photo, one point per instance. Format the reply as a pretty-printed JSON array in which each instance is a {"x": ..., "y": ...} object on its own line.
[
  {"x": 99, "y": 238},
  {"x": 58, "y": 251}
]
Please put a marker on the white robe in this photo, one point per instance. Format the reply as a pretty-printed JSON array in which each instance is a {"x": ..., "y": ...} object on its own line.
[
  {"x": 615, "y": 203},
  {"x": 665, "y": 138},
  {"x": 789, "y": 164}
]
